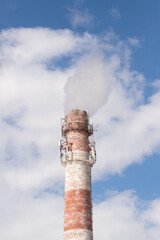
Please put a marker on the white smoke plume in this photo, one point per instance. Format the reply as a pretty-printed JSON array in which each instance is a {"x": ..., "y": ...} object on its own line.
[{"x": 88, "y": 87}]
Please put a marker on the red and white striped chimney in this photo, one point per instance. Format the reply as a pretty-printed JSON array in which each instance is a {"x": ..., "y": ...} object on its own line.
[{"x": 78, "y": 155}]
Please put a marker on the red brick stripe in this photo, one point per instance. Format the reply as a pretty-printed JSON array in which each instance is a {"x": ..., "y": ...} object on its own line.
[{"x": 78, "y": 210}]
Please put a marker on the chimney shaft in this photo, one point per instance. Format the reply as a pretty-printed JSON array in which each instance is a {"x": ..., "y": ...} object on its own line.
[{"x": 78, "y": 156}]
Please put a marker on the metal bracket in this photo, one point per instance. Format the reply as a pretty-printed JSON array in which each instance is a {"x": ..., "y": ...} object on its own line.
[
  {"x": 63, "y": 125},
  {"x": 62, "y": 148},
  {"x": 92, "y": 154}
]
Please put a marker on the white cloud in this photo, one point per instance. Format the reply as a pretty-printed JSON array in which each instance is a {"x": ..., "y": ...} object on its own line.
[
  {"x": 39, "y": 216},
  {"x": 115, "y": 13},
  {"x": 32, "y": 96},
  {"x": 31, "y": 105},
  {"x": 80, "y": 18},
  {"x": 25, "y": 216},
  {"x": 23, "y": 46},
  {"x": 129, "y": 132},
  {"x": 32, "y": 100},
  {"x": 156, "y": 84},
  {"x": 123, "y": 216},
  {"x": 134, "y": 41}
]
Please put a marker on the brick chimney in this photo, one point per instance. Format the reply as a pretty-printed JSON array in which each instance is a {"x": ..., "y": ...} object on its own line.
[{"x": 77, "y": 154}]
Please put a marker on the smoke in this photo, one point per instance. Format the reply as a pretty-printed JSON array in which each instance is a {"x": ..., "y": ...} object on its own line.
[{"x": 88, "y": 87}]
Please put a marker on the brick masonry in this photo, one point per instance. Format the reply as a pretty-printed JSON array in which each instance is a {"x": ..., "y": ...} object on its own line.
[{"x": 78, "y": 210}]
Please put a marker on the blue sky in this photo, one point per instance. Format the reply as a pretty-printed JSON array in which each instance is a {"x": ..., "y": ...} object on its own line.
[
  {"x": 50, "y": 50},
  {"x": 135, "y": 19}
]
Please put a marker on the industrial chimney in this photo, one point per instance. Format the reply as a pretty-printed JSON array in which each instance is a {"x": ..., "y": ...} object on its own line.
[{"x": 77, "y": 154}]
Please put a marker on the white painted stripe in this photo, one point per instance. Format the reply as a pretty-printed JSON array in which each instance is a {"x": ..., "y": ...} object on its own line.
[
  {"x": 78, "y": 234},
  {"x": 77, "y": 175}
]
